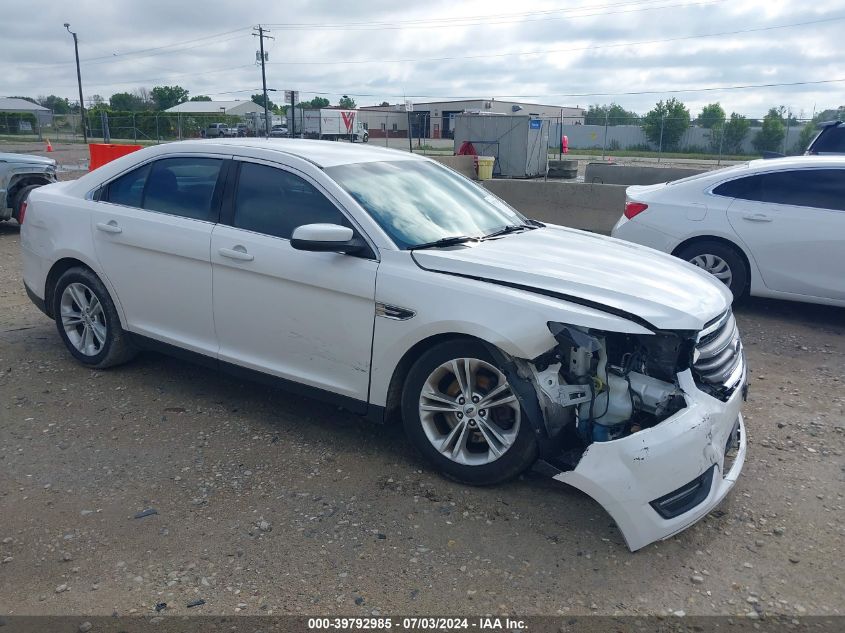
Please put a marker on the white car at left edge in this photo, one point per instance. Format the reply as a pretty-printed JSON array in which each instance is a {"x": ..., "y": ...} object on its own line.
[{"x": 769, "y": 228}]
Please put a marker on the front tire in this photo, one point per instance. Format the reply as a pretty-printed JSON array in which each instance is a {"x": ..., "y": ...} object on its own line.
[
  {"x": 88, "y": 322},
  {"x": 460, "y": 412},
  {"x": 722, "y": 261}
]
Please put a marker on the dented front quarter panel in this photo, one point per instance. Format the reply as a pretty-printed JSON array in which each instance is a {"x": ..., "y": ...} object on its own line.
[
  {"x": 13, "y": 170},
  {"x": 625, "y": 475}
]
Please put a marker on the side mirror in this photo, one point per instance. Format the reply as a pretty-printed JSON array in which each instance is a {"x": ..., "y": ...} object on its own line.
[{"x": 328, "y": 238}]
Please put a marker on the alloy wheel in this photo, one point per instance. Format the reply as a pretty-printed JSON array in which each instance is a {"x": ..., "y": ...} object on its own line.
[
  {"x": 469, "y": 412},
  {"x": 83, "y": 319}
]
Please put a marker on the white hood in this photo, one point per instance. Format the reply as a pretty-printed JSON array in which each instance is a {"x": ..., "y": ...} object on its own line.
[{"x": 668, "y": 293}]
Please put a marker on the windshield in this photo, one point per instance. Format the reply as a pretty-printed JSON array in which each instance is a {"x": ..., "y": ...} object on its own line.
[{"x": 418, "y": 202}]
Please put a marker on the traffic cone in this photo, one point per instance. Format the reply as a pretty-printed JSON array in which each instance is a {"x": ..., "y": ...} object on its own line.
[{"x": 49, "y": 146}]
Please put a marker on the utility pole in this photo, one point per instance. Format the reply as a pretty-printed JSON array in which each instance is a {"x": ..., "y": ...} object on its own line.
[
  {"x": 79, "y": 81},
  {"x": 261, "y": 35}
]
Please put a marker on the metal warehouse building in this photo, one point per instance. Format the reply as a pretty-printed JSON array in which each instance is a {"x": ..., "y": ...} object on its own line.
[
  {"x": 12, "y": 105},
  {"x": 232, "y": 108},
  {"x": 438, "y": 117}
]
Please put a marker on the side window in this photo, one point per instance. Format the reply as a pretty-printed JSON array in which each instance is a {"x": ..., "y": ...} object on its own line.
[
  {"x": 128, "y": 190},
  {"x": 747, "y": 188},
  {"x": 819, "y": 188},
  {"x": 274, "y": 202},
  {"x": 183, "y": 187}
]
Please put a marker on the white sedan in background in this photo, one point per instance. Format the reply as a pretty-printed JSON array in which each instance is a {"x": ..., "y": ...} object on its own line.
[
  {"x": 769, "y": 228},
  {"x": 387, "y": 283}
]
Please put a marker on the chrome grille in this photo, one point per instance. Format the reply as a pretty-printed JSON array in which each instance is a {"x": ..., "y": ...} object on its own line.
[{"x": 719, "y": 359}]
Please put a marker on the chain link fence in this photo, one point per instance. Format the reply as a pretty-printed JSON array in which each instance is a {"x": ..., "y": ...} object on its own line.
[
  {"x": 739, "y": 138},
  {"x": 422, "y": 132}
]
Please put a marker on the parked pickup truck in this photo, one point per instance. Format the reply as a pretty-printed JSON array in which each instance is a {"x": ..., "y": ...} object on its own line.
[
  {"x": 20, "y": 174},
  {"x": 216, "y": 130}
]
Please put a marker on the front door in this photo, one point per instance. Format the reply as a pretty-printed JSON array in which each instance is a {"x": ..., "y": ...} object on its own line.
[{"x": 301, "y": 316}]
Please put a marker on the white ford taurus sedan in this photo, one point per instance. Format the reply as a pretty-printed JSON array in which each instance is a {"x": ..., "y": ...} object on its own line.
[
  {"x": 389, "y": 284},
  {"x": 769, "y": 228}
]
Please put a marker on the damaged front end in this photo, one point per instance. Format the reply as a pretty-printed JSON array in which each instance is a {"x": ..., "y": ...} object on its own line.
[{"x": 641, "y": 422}]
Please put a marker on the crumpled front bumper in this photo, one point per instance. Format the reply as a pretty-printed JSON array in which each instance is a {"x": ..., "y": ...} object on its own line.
[{"x": 626, "y": 475}]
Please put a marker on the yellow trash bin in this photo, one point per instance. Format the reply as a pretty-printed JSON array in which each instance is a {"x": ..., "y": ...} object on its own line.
[{"x": 485, "y": 167}]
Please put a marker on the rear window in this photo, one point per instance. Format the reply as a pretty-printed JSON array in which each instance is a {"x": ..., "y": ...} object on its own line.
[{"x": 830, "y": 141}]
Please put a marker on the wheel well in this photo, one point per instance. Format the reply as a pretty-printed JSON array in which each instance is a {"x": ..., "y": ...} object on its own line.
[
  {"x": 24, "y": 182},
  {"x": 393, "y": 408},
  {"x": 58, "y": 269},
  {"x": 722, "y": 240}
]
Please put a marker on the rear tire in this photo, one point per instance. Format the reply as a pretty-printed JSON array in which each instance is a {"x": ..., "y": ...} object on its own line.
[
  {"x": 20, "y": 198},
  {"x": 725, "y": 262},
  {"x": 473, "y": 431},
  {"x": 88, "y": 322}
]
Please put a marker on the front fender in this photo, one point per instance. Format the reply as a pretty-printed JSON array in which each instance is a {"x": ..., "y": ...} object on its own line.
[{"x": 512, "y": 320}]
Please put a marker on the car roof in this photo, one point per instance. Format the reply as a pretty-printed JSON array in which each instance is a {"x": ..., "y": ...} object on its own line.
[
  {"x": 795, "y": 162},
  {"x": 321, "y": 153}
]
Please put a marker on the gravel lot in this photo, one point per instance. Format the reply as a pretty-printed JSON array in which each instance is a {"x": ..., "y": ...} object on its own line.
[{"x": 269, "y": 503}]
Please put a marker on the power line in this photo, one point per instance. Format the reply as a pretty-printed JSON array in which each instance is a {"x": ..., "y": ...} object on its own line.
[
  {"x": 454, "y": 19},
  {"x": 202, "y": 41},
  {"x": 558, "y": 50},
  {"x": 455, "y": 23},
  {"x": 572, "y": 94}
]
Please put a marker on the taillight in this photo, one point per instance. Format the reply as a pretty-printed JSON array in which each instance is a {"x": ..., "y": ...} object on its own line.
[
  {"x": 22, "y": 212},
  {"x": 634, "y": 208}
]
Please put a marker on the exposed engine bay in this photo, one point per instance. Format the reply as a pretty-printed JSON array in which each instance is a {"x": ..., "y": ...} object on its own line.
[{"x": 602, "y": 386}]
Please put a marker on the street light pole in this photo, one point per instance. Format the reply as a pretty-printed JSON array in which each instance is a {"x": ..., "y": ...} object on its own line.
[{"x": 79, "y": 81}]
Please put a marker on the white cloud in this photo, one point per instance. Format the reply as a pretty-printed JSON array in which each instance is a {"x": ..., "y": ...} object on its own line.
[{"x": 37, "y": 53}]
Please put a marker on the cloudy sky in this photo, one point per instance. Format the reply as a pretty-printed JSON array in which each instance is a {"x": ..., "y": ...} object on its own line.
[{"x": 592, "y": 51}]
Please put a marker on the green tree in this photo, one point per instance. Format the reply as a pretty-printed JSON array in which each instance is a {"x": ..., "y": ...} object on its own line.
[
  {"x": 613, "y": 114},
  {"x": 126, "y": 102},
  {"x": 666, "y": 122},
  {"x": 166, "y": 97},
  {"x": 772, "y": 132},
  {"x": 712, "y": 115},
  {"x": 347, "y": 102},
  {"x": 258, "y": 99},
  {"x": 807, "y": 134},
  {"x": 200, "y": 98},
  {"x": 316, "y": 102},
  {"x": 728, "y": 136},
  {"x": 59, "y": 105},
  {"x": 837, "y": 114}
]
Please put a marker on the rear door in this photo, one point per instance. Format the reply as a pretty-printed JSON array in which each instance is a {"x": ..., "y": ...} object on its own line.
[
  {"x": 302, "y": 316},
  {"x": 793, "y": 222},
  {"x": 152, "y": 233}
]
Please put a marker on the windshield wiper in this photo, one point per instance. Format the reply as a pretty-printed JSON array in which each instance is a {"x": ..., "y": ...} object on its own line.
[
  {"x": 445, "y": 241},
  {"x": 509, "y": 228}
]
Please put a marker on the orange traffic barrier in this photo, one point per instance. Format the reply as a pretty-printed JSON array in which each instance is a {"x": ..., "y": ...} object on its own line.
[
  {"x": 102, "y": 153},
  {"x": 49, "y": 146}
]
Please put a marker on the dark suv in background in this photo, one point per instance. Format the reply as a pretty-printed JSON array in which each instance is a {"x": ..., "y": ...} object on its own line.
[{"x": 829, "y": 140}]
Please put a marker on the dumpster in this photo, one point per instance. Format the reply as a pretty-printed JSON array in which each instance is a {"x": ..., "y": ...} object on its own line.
[{"x": 102, "y": 153}]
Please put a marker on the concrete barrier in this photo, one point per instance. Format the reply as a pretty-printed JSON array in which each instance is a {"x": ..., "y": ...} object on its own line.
[
  {"x": 462, "y": 164},
  {"x": 591, "y": 207},
  {"x": 612, "y": 174}
]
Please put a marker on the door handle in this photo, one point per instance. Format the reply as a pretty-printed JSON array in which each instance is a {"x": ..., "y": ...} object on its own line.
[
  {"x": 111, "y": 227},
  {"x": 238, "y": 252},
  {"x": 757, "y": 217}
]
